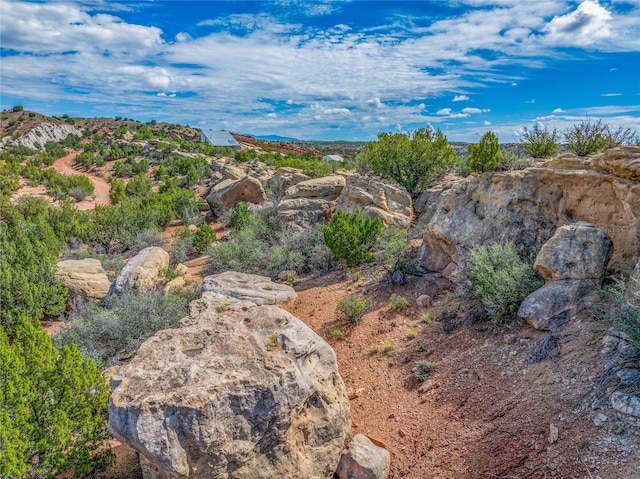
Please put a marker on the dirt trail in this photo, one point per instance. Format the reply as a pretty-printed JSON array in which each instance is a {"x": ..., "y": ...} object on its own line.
[{"x": 101, "y": 186}]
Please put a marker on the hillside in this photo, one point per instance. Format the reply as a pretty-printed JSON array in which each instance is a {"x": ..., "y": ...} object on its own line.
[{"x": 141, "y": 245}]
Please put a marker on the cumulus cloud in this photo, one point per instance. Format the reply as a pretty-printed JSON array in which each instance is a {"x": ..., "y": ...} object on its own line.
[
  {"x": 444, "y": 111},
  {"x": 374, "y": 103},
  {"x": 460, "y": 98},
  {"x": 531, "y": 101},
  {"x": 486, "y": 123},
  {"x": 558, "y": 110},
  {"x": 586, "y": 25}
]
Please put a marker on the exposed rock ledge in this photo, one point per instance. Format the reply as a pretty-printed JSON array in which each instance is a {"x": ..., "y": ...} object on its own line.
[
  {"x": 248, "y": 391},
  {"x": 527, "y": 206}
]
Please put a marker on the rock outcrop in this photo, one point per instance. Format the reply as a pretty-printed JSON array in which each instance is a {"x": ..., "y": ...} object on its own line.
[
  {"x": 228, "y": 193},
  {"x": 285, "y": 178},
  {"x": 573, "y": 262},
  {"x": 142, "y": 272},
  {"x": 37, "y": 137},
  {"x": 311, "y": 201},
  {"x": 244, "y": 391},
  {"x": 376, "y": 198},
  {"x": 364, "y": 460},
  {"x": 526, "y": 206},
  {"x": 85, "y": 278}
]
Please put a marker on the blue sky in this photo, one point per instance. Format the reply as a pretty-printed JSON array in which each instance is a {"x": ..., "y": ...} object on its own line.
[{"x": 327, "y": 70}]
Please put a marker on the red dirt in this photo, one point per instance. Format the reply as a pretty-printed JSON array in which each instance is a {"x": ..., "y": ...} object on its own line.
[
  {"x": 67, "y": 165},
  {"x": 484, "y": 413}
]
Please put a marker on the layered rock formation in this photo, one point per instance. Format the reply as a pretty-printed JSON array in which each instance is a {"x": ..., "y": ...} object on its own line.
[
  {"x": 142, "y": 272},
  {"x": 37, "y": 138},
  {"x": 285, "y": 178},
  {"x": 241, "y": 390},
  {"x": 376, "y": 198},
  {"x": 526, "y": 207},
  {"x": 311, "y": 201},
  {"x": 573, "y": 263}
]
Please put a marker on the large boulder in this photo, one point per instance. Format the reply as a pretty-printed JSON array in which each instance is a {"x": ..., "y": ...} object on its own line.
[
  {"x": 85, "y": 278},
  {"x": 311, "y": 201},
  {"x": 247, "y": 392},
  {"x": 526, "y": 206},
  {"x": 364, "y": 460},
  {"x": 575, "y": 251},
  {"x": 555, "y": 303},
  {"x": 228, "y": 193},
  {"x": 376, "y": 198},
  {"x": 142, "y": 272}
]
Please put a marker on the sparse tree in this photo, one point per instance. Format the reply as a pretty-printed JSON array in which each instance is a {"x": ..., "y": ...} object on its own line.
[{"x": 540, "y": 142}]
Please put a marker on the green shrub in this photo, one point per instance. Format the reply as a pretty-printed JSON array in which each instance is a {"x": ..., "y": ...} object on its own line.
[
  {"x": 109, "y": 335},
  {"x": 539, "y": 142},
  {"x": 423, "y": 369},
  {"x": 397, "y": 303},
  {"x": 485, "y": 156},
  {"x": 117, "y": 191},
  {"x": 203, "y": 237},
  {"x": 594, "y": 136},
  {"x": 499, "y": 279},
  {"x": 78, "y": 193},
  {"x": 413, "y": 161},
  {"x": 425, "y": 318},
  {"x": 337, "y": 333},
  {"x": 17, "y": 108},
  {"x": 53, "y": 408},
  {"x": 350, "y": 238},
  {"x": 352, "y": 309},
  {"x": 139, "y": 185},
  {"x": 240, "y": 217}
]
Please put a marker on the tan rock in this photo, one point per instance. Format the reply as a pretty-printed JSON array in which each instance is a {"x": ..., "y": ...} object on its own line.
[
  {"x": 364, "y": 460},
  {"x": 305, "y": 212},
  {"x": 527, "y": 206},
  {"x": 175, "y": 285},
  {"x": 284, "y": 178},
  {"x": 228, "y": 193},
  {"x": 575, "y": 251},
  {"x": 85, "y": 278},
  {"x": 258, "y": 290},
  {"x": 376, "y": 198},
  {"x": 327, "y": 188},
  {"x": 142, "y": 272},
  {"x": 246, "y": 394}
]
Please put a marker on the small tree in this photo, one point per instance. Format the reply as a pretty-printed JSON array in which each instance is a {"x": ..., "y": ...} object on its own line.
[
  {"x": 350, "y": 237},
  {"x": 539, "y": 142},
  {"x": 117, "y": 191},
  {"x": 53, "y": 407},
  {"x": 485, "y": 156},
  {"x": 413, "y": 160},
  {"x": 203, "y": 237},
  {"x": 17, "y": 108}
]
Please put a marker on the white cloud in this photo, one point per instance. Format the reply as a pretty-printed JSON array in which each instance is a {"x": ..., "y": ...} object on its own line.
[
  {"x": 486, "y": 123},
  {"x": 460, "y": 98},
  {"x": 474, "y": 111},
  {"x": 586, "y": 25},
  {"x": 611, "y": 94},
  {"x": 530, "y": 102},
  {"x": 558, "y": 110},
  {"x": 444, "y": 111},
  {"x": 374, "y": 103}
]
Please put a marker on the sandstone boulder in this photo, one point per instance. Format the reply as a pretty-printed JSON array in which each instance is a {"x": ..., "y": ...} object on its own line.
[
  {"x": 364, "y": 460},
  {"x": 251, "y": 393},
  {"x": 175, "y": 285},
  {"x": 555, "y": 303},
  {"x": 228, "y": 193},
  {"x": 85, "y": 278},
  {"x": 632, "y": 292},
  {"x": 142, "y": 272},
  {"x": 376, "y": 198},
  {"x": 327, "y": 188},
  {"x": 575, "y": 251},
  {"x": 284, "y": 178},
  {"x": 526, "y": 207}
]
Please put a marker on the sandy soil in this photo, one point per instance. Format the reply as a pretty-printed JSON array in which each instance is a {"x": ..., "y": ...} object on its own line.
[{"x": 100, "y": 196}]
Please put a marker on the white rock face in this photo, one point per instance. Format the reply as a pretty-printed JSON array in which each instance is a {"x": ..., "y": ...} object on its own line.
[
  {"x": 311, "y": 201},
  {"x": 251, "y": 393},
  {"x": 45, "y": 132},
  {"x": 142, "y": 271}
]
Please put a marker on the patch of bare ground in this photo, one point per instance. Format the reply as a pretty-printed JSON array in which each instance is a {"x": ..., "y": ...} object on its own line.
[{"x": 486, "y": 410}]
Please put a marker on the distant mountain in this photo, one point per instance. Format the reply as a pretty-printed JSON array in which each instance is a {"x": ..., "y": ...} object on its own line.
[{"x": 274, "y": 138}]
